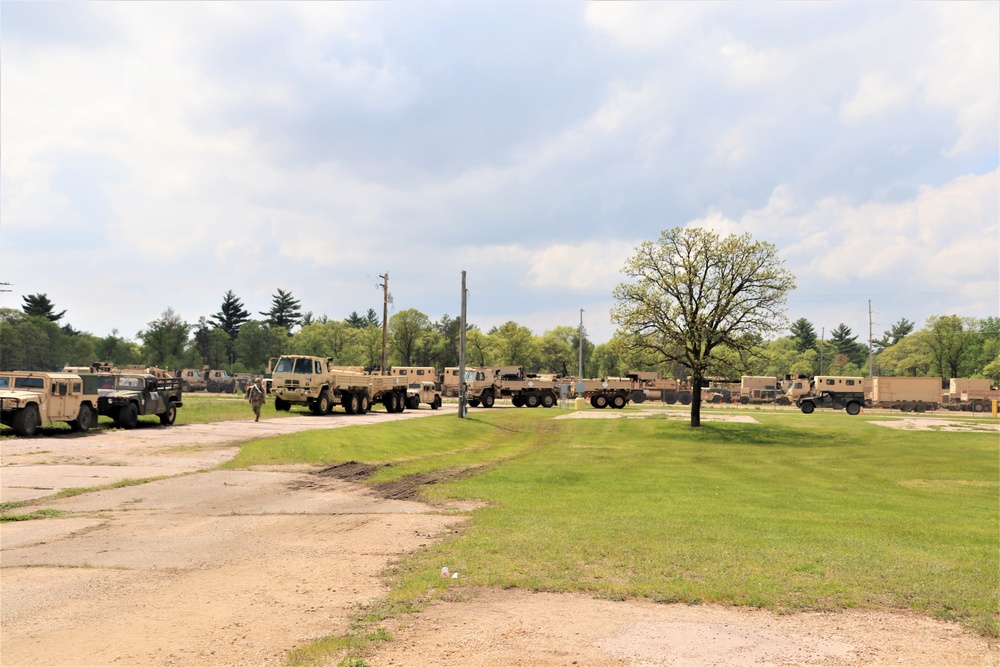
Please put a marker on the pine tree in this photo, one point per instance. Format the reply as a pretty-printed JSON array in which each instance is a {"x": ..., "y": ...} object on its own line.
[
  {"x": 285, "y": 311},
  {"x": 803, "y": 334},
  {"x": 39, "y": 305},
  {"x": 231, "y": 315}
]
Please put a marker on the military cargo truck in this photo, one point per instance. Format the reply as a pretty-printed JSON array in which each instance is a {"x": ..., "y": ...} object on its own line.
[
  {"x": 29, "y": 398},
  {"x": 316, "y": 383},
  {"x": 124, "y": 397},
  {"x": 484, "y": 385},
  {"x": 607, "y": 392},
  {"x": 653, "y": 386}
]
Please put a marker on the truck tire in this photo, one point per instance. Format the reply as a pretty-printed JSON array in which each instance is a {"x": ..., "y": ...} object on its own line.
[
  {"x": 853, "y": 408},
  {"x": 323, "y": 403},
  {"x": 436, "y": 403},
  {"x": 783, "y": 400},
  {"x": 128, "y": 416},
  {"x": 531, "y": 400},
  {"x": 27, "y": 421},
  {"x": 744, "y": 400},
  {"x": 473, "y": 402},
  {"x": 364, "y": 405},
  {"x": 685, "y": 398},
  {"x": 84, "y": 420},
  {"x": 282, "y": 404},
  {"x": 638, "y": 396},
  {"x": 618, "y": 401},
  {"x": 670, "y": 397},
  {"x": 413, "y": 402},
  {"x": 488, "y": 399},
  {"x": 548, "y": 399},
  {"x": 167, "y": 418},
  {"x": 599, "y": 401},
  {"x": 517, "y": 401},
  {"x": 350, "y": 402},
  {"x": 808, "y": 407}
]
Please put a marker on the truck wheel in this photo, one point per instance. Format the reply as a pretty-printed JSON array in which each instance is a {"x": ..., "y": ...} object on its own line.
[
  {"x": 517, "y": 401},
  {"x": 350, "y": 403},
  {"x": 716, "y": 398},
  {"x": 364, "y": 405},
  {"x": 282, "y": 404},
  {"x": 84, "y": 420},
  {"x": 168, "y": 417},
  {"x": 669, "y": 397},
  {"x": 548, "y": 399},
  {"x": 618, "y": 401},
  {"x": 978, "y": 407},
  {"x": 488, "y": 400},
  {"x": 413, "y": 402},
  {"x": 783, "y": 400},
  {"x": 638, "y": 396},
  {"x": 27, "y": 421},
  {"x": 531, "y": 400},
  {"x": 685, "y": 398},
  {"x": 128, "y": 416},
  {"x": 808, "y": 407},
  {"x": 853, "y": 408},
  {"x": 436, "y": 403},
  {"x": 473, "y": 402},
  {"x": 599, "y": 401},
  {"x": 323, "y": 403},
  {"x": 744, "y": 400}
]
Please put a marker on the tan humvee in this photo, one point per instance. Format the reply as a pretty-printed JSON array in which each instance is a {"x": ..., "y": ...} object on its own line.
[{"x": 30, "y": 398}]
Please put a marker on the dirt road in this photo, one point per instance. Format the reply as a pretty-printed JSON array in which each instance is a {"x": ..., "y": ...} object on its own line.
[{"x": 238, "y": 567}]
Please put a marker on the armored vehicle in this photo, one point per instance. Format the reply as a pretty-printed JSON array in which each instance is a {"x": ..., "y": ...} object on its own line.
[
  {"x": 852, "y": 401},
  {"x": 126, "y": 396},
  {"x": 29, "y": 398}
]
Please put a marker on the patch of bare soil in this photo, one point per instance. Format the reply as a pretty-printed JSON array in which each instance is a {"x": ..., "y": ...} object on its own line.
[
  {"x": 938, "y": 424},
  {"x": 239, "y": 567}
]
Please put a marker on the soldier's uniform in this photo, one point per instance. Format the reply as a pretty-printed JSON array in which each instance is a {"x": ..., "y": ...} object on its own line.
[{"x": 255, "y": 393}]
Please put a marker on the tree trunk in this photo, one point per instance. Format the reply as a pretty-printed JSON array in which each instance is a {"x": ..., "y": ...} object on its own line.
[{"x": 695, "y": 401}]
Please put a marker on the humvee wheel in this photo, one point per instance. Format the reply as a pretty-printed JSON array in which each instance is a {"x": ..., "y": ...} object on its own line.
[
  {"x": 853, "y": 408},
  {"x": 618, "y": 401},
  {"x": 27, "y": 421},
  {"x": 548, "y": 399},
  {"x": 84, "y": 420},
  {"x": 808, "y": 407},
  {"x": 413, "y": 402},
  {"x": 488, "y": 400},
  {"x": 167, "y": 418},
  {"x": 128, "y": 416},
  {"x": 436, "y": 403}
]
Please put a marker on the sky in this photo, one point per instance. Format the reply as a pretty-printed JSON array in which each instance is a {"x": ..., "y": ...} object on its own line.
[{"x": 156, "y": 155}]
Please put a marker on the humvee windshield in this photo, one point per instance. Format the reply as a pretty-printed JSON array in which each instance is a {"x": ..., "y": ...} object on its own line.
[
  {"x": 4, "y": 382},
  {"x": 105, "y": 382}
]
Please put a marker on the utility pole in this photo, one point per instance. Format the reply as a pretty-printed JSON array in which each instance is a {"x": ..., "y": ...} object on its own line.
[
  {"x": 461, "y": 355},
  {"x": 580, "y": 375},
  {"x": 385, "y": 314},
  {"x": 822, "y": 339},
  {"x": 871, "y": 354}
]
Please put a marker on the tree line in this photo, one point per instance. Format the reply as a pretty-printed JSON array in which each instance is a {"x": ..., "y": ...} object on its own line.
[{"x": 34, "y": 338}]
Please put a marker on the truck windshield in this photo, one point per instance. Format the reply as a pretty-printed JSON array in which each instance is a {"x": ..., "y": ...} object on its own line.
[
  {"x": 284, "y": 365},
  {"x": 303, "y": 366}
]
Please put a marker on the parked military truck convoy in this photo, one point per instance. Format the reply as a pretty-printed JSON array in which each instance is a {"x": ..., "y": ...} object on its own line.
[{"x": 78, "y": 395}]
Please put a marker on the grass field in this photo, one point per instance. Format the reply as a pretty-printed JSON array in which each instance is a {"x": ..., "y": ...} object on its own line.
[{"x": 793, "y": 513}]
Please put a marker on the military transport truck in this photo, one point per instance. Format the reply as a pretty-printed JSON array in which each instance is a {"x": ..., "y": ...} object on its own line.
[
  {"x": 319, "y": 385},
  {"x": 29, "y": 398},
  {"x": 126, "y": 396},
  {"x": 485, "y": 385},
  {"x": 607, "y": 392},
  {"x": 653, "y": 386}
]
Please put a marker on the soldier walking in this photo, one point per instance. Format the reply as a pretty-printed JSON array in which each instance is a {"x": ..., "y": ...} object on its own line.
[{"x": 255, "y": 394}]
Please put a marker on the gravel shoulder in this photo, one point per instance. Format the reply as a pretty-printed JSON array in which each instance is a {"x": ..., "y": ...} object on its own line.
[{"x": 236, "y": 567}]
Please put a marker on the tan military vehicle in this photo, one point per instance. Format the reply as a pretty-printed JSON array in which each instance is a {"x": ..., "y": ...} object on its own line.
[
  {"x": 319, "y": 385},
  {"x": 29, "y": 399},
  {"x": 421, "y": 385}
]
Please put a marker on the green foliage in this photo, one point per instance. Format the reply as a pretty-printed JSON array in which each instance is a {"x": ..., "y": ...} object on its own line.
[
  {"x": 164, "y": 340},
  {"x": 257, "y": 342},
  {"x": 803, "y": 335},
  {"x": 231, "y": 315},
  {"x": 334, "y": 339},
  {"x": 408, "y": 338},
  {"x": 285, "y": 313},
  {"x": 31, "y": 343},
  {"x": 513, "y": 345},
  {"x": 39, "y": 305},
  {"x": 947, "y": 341}
]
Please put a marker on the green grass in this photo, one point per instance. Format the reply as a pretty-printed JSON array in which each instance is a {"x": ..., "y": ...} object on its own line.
[{"x": 819, "y": 512}]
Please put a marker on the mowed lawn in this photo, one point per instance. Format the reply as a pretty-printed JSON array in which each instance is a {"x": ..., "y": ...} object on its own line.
[{"x": 798, "y": 512}]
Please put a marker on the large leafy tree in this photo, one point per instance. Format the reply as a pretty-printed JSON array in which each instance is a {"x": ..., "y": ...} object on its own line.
[
  {"x": 257, "y": 343},
  {"x": 231, "y": 315},
  {"x": 39, "y": 305},
  {"x": 693, "y": 292},
  {"x": 513, "y": 345},
  {"x": 404, "y": 336},
  {"x": 211, "y": 345},
  {"x": 164, "y": 339},
  {"x": 948, "y": 341},
  {"x": 803, "y": 335},
  {"x": 30, "y": 343},
  {"x": 286, "y": 311},
  {"x": 333, "y": 339}
]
